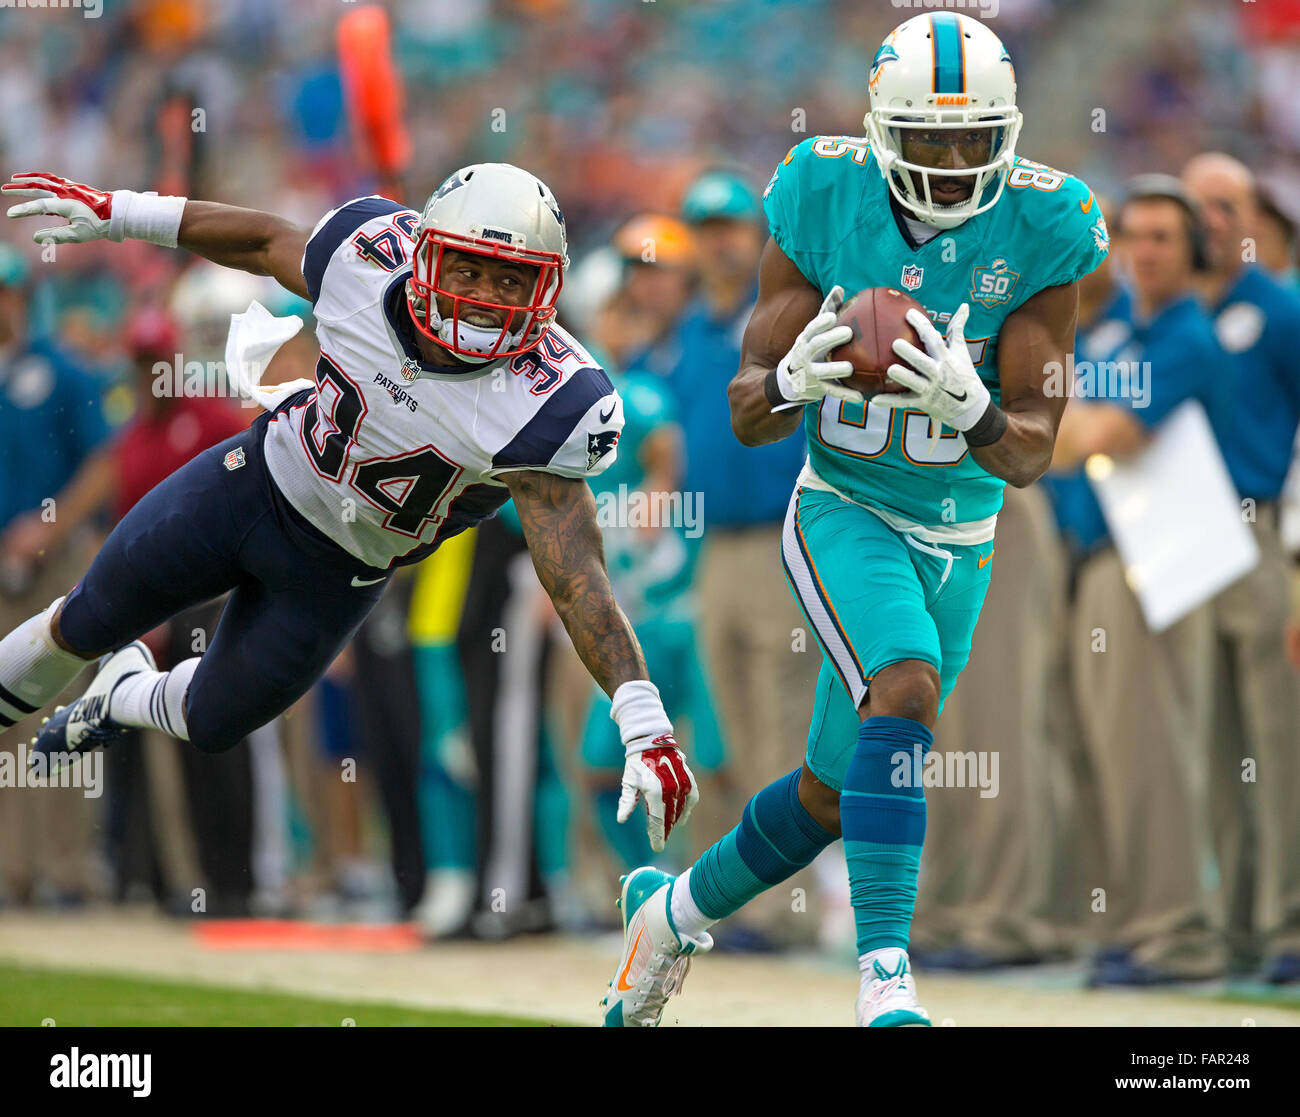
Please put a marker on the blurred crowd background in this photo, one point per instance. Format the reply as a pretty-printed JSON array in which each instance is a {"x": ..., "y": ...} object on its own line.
[{"x": 455, "y": 767}]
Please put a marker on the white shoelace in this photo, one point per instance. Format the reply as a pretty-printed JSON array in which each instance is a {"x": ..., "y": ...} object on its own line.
[
  {"x": 883, "y": 990},
  {"x": 656, "y": 998}
]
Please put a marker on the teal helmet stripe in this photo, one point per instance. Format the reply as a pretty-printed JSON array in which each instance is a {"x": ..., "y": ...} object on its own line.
[{"x": 949, "y": 53}]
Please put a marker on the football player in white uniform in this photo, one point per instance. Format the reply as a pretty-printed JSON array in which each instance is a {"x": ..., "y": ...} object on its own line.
[{"x": 444, "y": 387}]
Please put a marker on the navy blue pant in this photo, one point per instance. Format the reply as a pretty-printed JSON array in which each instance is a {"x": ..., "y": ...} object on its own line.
[{"x": 208, "y": 530}]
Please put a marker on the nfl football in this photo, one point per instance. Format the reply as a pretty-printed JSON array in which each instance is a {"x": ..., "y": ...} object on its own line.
[{"x": 877, "y": 316}]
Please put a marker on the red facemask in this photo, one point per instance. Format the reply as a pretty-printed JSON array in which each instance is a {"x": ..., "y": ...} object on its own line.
[{"x": 526, "y": 323}]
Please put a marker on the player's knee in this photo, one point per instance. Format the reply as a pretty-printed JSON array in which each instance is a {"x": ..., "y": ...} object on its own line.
[
  {"x": 214, "y": 739},
  {"x": 211, "y": 731},
  {"x": 909, "y": 689},
  {"x": 56, "y": 634},
  {"x": 820, "y": 801}
]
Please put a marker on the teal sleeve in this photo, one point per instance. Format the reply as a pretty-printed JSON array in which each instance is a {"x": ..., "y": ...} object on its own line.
[
  {"x": 781, "y": 207},
  {"x": 1077, "y": 239}
]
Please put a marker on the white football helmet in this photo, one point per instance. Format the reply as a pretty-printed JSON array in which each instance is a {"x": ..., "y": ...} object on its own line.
[
  {"x": 500, "y": 211},
  {"x": 934, "y": 74}
]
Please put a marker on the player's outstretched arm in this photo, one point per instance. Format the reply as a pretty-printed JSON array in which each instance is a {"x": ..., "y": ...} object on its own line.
[
  {"x": 558, "y": 515},
  {"x": 783, "y": 355},
  {"x": 248, "y": 239}
]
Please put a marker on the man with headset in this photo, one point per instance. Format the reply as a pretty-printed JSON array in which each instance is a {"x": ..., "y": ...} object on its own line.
[{"x": 1141, "y": 695}]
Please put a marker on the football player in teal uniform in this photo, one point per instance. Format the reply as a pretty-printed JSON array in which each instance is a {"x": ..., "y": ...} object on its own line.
[{"x": 889, "y": 537}]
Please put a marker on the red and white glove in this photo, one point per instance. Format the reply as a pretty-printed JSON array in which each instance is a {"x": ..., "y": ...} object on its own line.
[
  {"x": 93, "y": 214},
  {"x": 656, "y": 768}
]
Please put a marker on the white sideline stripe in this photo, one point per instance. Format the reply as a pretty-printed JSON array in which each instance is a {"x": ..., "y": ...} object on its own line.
[{"x": 806, "y": 591}]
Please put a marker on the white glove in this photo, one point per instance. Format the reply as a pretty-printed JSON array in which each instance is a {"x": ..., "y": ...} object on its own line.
[
  {"x": 658, "y": 775},
  {"x": 656, "y": 768},
  {"x": 804, "y": 375},
  {"x": 88, "y": 210},
  {"x": 942, "y": 382},
  {"x": 93, "y": 214}
]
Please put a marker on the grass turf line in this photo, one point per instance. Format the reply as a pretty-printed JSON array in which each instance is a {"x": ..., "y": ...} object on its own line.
[{"x": 80, "y": 999}]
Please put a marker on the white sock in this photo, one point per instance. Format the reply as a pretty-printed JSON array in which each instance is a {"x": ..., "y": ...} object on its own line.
[
  {"x": 155, "y": 699},
  {"x": 34, "y": 670},
  {"x": 687, "y": 917},
  {"x": 888, "y": 956}
]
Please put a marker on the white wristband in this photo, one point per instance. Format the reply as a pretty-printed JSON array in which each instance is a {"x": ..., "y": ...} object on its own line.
[
  {"x": 146, "y": 217},
  {"x": 640, "y": 715}
]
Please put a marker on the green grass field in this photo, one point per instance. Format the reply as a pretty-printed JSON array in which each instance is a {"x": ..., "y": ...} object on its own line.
[{"x": 71, "y": 999}]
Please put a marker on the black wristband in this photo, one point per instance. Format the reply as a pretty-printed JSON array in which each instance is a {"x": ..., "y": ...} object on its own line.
[
  {"x": 772, "y": 389},
  {"x": 988, "y": 428}
]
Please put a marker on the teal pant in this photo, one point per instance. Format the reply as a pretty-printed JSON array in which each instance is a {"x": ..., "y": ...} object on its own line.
[{"x": 874, "y": 597}]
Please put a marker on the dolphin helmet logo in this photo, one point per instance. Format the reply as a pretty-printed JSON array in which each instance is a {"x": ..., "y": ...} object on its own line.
[{"x": 886, "y": 53}]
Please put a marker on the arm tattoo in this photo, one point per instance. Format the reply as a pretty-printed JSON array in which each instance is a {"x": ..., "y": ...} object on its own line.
[{"x": 559, "y": 520}]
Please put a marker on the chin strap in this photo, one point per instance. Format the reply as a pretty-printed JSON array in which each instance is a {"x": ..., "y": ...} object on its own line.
[{"x": 479, "y": 337}]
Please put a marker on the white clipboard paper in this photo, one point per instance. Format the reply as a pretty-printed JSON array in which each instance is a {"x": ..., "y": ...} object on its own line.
[{"x": 1175, "y": 517}]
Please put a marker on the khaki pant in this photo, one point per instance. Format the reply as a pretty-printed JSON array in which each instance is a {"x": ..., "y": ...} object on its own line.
[
  {"x": 1144, "y": 710},
  {"x": 46, "y": 834},
  {"x": 987, "y": 868},
  {"x": 763, "y": 663},
  {"x": 1256, "y": 694}
]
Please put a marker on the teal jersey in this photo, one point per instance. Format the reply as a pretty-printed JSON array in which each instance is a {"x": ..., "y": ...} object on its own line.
[
  {"x": 646, "y": 407},
  {"x": 650, "y": 572},
  {"x": 829, "y": 211}
]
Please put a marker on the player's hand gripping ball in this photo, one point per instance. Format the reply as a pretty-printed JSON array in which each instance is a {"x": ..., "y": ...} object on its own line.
[{"x": 878, "y": 317}]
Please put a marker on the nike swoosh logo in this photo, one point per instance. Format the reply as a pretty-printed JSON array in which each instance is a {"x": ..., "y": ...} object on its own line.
[
  {"x": 985, "y": 560},
  {"x": 606, "y": 415},
  {"x": 959, "y": 398},
  {"x": 621, "y": 984},
  {"x": 1086, "y": 206},
  {"x": 366, "y": 581}
]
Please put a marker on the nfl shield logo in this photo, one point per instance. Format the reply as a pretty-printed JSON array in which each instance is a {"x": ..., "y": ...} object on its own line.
[
  {"x": 235, "y": 459},
  {"x": 911, "y": 278},
  {"x": 410, "y": 369}
]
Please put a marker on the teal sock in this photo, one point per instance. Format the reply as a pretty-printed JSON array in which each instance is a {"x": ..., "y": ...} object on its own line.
[
  {"x": 882, "y": 813},
  {"x": 447, "y": 815},
  {"x": 775, "y": 839},
  {"x": 447, "y": 810}
]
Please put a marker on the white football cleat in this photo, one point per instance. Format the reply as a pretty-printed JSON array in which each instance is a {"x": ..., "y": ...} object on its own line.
[
  {"x": 887, "y": 998},
  {"x": 655, "y": 958},
  {"x": 85, "y": 724}
]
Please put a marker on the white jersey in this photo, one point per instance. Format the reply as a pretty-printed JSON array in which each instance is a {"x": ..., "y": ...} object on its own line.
[{"x": 388, "y": 456}]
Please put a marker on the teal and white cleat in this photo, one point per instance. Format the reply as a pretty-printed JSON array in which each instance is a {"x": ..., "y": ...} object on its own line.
[
  {"x": 887, "y": 998},
  {"x": 655, "y": 958}
]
